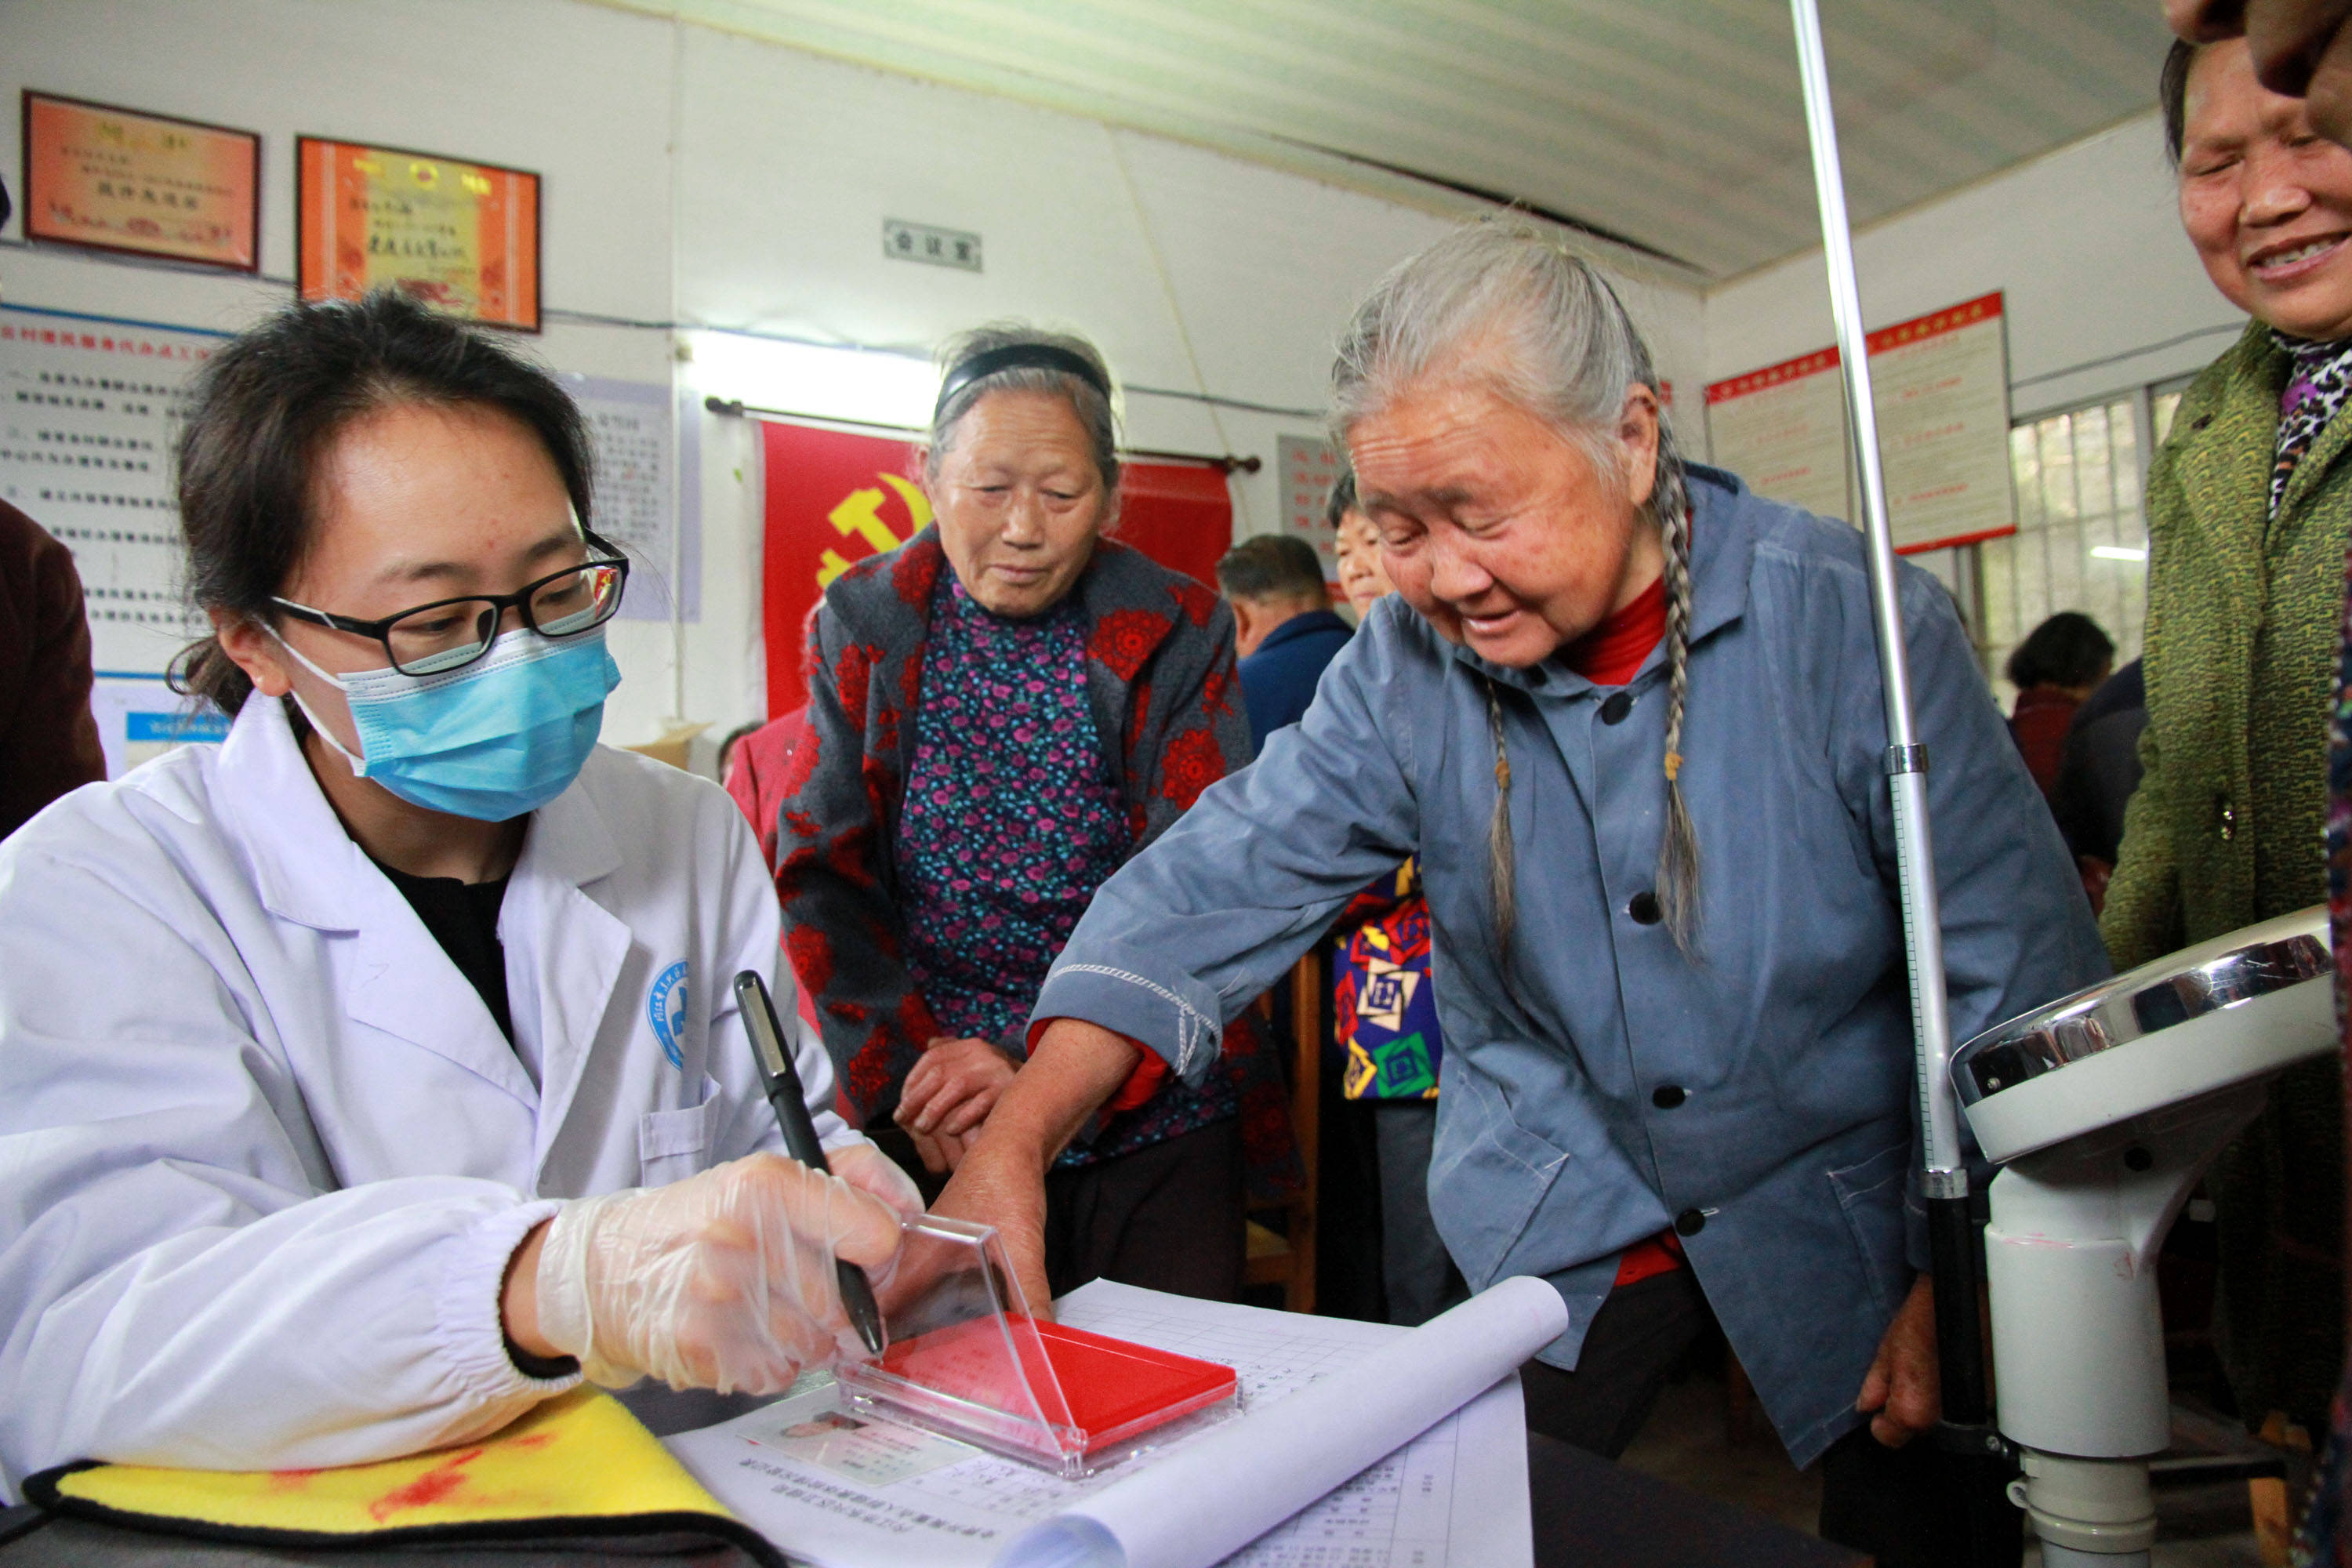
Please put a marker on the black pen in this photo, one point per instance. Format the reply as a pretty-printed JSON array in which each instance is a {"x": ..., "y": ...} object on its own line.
[{"x": 789, "y": 1102}]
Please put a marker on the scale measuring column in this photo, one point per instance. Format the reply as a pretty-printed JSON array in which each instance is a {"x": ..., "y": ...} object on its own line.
[{"x": 1945, "y": 1179}]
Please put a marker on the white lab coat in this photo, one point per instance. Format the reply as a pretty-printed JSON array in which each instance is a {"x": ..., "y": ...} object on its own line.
[{"x": 264, "y": 1153}]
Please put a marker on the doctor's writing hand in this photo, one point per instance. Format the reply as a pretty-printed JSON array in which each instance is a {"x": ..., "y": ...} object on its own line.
[
  {"x": 724, "y": 1280},
  {"x": 1903, "y": 1388},
  {"x": 949, "y": 1094}
]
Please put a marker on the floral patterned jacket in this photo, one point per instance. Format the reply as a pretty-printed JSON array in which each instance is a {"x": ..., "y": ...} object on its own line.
[{"x": 1160, "y": 678}]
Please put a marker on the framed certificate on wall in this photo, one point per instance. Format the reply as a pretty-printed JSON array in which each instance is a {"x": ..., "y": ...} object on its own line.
[
  {"x": 461, "y": 236},
  {"x": 122, "y": 179}
]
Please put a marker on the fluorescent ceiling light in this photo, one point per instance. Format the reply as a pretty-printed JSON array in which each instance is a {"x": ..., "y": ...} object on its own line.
[
  {"x": 857, "y": 384},
  {"x": 2118, "y": 553}
]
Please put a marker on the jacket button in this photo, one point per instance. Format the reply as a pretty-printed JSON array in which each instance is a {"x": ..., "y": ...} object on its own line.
[
  {"x": 1690, "y": 1222},
  {"x": 2225, "y": 820},
  {"x": 1644, "y": 909},
  {"x": 1667, "y": 1096},
  {"x": 1614, "y": 709}
]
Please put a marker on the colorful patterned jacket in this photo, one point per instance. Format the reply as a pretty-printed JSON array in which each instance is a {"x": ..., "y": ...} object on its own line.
[
  {"x": 1160, "y": 678},
  {"x": 1385, "y": 1006}
]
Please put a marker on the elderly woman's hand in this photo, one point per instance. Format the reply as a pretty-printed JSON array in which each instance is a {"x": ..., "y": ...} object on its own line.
[
  {"x": 1903, "y": 1393},
  {"x": 1073, "y": 1070},
  {"x": 949, "y": 1094}
]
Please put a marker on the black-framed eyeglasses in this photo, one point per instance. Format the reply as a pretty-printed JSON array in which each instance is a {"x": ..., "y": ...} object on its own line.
[{"x": 450, "y": 634}]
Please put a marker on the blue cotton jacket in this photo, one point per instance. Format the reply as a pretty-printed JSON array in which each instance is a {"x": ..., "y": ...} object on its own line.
[
  {"x": 1279, "y": 679},
  {"x": 1788, "y": 1036}
]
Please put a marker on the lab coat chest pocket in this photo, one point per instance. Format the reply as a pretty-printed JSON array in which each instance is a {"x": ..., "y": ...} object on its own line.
[
  {"x": 674, "y": 1144},
  {"x": 1870, "y": 1195}
]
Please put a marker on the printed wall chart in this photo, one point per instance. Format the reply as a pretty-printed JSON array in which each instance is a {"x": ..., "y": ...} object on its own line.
[
  {"x": 636, "y": 494},
  {"x": 1309, "y": 468},
  {"x": 89, "y": 409},
  {"x": 1940, "y": 386}
]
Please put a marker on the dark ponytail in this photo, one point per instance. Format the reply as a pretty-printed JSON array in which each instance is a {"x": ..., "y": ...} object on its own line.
[{"x": 269, "y": 404}]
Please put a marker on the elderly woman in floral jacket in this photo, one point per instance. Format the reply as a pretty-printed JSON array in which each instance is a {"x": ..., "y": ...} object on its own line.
[{"x": 1010, "y": 707}]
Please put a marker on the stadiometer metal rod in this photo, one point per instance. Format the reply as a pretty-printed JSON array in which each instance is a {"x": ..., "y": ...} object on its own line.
[
  {"x": 1906, "y": 760},
  {"x": 1952, "y": 1240}
]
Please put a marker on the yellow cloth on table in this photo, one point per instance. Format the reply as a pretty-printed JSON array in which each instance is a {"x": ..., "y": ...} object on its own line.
[{"x": 578, "y": 1466}]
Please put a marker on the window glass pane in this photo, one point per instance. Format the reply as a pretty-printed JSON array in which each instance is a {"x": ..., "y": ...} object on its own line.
[
  {"x": 2025, "y": 464},
  {"x": 2093, "y": 462},
  {"x": 2122, "y": 430},
  {"x": 2056, "y": 435},
  {"x": 2000, "y": 557},
  {"x": 2082, "y": 538}
]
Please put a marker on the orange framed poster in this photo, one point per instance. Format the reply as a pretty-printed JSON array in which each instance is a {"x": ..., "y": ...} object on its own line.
[
  {"x": 461, "y": 236},
  {"x": 118, "y": 179}
]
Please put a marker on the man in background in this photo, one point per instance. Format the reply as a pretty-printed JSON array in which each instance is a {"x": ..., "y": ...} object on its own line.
[{"x": 1285, "y": 629}]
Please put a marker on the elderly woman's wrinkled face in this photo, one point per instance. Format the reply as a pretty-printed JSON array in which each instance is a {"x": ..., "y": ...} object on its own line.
[
  {"x": 1361, "y": 576},
  {"x": 2266, "y": 199},
  {"x": 1497, "y": 528},
  {"x": 1020, "y": 502}
]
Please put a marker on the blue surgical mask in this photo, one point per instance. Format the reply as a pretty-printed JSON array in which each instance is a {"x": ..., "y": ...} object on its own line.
[{"x": 494, "y": 741}]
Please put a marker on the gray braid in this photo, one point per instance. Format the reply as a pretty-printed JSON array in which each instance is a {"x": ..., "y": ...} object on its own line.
[
  {"x": 1678, "y": 853},
  {"x": 1502, "y": 854}
]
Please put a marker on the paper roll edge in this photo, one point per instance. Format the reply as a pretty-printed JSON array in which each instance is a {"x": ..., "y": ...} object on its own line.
[{"x": 1544, "y": 1310}]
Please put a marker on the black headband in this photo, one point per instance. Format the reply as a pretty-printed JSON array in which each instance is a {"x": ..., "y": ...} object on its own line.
[{"x": 1018, "y": 357}]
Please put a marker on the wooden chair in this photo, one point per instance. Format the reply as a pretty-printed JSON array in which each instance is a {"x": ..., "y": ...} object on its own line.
[{"x": 1286, "y": 1257}]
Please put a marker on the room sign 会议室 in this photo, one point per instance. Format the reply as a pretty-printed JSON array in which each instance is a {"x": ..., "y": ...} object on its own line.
[
  {"x": 931, "y": 245},
  {"x": 120, "y": 179},
  {"x": 461, "y": 236}
]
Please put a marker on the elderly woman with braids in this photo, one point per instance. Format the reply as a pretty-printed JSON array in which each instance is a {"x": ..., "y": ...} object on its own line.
[
  {"x": 1629, "y": 717},
  {"x": 1009, "y": 707}
]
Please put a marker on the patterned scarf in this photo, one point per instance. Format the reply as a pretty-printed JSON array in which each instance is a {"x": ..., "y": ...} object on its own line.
[{"x": 2321, "y": 380}]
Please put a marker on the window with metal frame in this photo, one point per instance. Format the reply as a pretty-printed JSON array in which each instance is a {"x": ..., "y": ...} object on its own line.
[{"x": 2082, "y": 531}]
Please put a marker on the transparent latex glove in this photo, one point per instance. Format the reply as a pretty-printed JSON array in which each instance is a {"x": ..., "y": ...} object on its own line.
[{"x": 724, "y": 1280}]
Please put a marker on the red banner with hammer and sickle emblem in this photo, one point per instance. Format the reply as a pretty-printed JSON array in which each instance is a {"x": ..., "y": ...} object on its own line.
[{"x": 834, "y": 498}]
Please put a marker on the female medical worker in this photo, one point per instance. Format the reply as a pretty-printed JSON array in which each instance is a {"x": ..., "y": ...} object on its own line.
[
  {"x": 1661, "y": 880},
  {"x": 366, "y": 1079}
]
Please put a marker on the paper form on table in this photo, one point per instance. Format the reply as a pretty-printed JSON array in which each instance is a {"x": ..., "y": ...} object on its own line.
[{"x": 1364, "y": 1444}]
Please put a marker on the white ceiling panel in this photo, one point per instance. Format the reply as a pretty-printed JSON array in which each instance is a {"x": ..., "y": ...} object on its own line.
[{"x": 1674, "y": 125}]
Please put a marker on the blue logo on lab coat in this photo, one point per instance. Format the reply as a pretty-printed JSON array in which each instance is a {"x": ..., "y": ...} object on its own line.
[{"x": 666, "y": 1008}]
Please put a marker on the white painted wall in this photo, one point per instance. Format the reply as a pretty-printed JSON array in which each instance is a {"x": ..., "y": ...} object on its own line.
[
  {"x": 700, "y": 177},
  {"x": 2102, "y": 290}
]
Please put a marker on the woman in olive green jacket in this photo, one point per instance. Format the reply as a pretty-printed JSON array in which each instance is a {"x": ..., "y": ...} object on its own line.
[{"x": 2249, "y": 513}]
